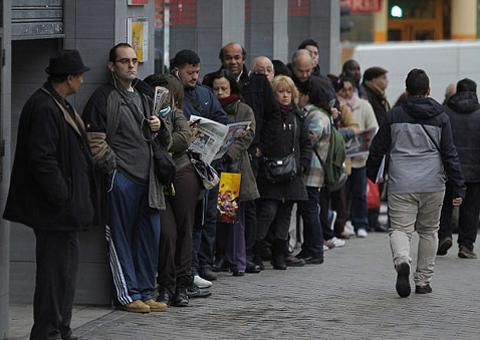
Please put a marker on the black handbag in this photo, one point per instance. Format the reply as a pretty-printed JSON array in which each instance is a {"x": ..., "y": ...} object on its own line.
[{"x": 282, "y": 169}]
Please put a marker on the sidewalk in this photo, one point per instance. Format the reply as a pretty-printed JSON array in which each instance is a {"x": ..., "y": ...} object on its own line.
[{"x": 350, "y": 296}]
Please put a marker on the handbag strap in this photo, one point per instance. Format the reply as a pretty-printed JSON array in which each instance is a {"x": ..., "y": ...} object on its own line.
[{"x": 431, "y": 138}]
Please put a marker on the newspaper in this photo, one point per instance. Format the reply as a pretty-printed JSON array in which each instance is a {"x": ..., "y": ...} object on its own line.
[
  {"x": 359, "y": 145},
  {"x": 160, "y": 99},
  {"x": 213, "y": 139}
]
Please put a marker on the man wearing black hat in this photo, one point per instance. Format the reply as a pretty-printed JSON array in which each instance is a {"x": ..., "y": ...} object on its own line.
[
  {"x": 52, "y": 191},
  {"x": 375, "y": 83}
]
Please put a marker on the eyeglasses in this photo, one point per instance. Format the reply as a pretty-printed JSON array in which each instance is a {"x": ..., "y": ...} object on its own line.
[{"x": 126, "y": 61}]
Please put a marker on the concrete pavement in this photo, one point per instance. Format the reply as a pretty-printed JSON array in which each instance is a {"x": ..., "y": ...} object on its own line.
[{"x": 350, "y": 296}]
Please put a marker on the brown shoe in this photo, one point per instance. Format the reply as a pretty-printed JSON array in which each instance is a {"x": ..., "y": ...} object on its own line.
[
  {"x": 136, "y": 306},
  {"x": 156, "y": 306}
]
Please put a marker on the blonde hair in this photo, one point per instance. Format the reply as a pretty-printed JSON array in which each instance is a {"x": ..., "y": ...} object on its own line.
[{"x": 286, "y": 82}]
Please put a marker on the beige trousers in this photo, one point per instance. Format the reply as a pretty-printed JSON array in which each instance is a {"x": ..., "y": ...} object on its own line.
[{"x": 415, "y": 212}]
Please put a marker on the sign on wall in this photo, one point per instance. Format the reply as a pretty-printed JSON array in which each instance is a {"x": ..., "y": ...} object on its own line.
[
  {"x": 363, "y": 6},
  {"x": 137, "y": 30},
  {"x": 137, "y": 2}
]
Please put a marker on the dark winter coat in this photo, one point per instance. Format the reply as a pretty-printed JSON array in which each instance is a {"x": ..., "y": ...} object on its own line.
[
  {"x": 283, "y": 144},
  {"x": 257, "y": 93},
  {"x": 52, "y": 184},
  {"x": 378, "y": 101},
  {"x": 464, "y": 112},
  {"x": 200, "y": 101},
  {"x": 237, "y": 155},
  {"x": 418, "y": 139}
]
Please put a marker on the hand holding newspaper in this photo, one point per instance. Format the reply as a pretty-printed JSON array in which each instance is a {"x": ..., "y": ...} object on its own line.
[{"x": 213, "y": 139}]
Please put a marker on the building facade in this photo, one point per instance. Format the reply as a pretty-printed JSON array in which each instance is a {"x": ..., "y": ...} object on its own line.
[{"x": 33, "y": 30}]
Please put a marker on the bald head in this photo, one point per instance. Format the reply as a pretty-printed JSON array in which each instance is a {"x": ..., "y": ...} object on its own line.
[
  {"x": 263, "y": 65},
  {"x": 233, "y": 57},
  {"x": 302, "y": 64}
]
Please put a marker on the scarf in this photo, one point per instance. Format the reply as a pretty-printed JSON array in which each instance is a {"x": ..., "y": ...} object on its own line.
[
  {"x": 228, "y": 100},
  {"x": 379, "y": 92},
  {"x": 285, "y": 110},
  {"x": 352, "y": 102}
]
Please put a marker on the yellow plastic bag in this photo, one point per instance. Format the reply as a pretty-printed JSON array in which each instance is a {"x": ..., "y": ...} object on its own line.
[{"x": 228, "y": 193}]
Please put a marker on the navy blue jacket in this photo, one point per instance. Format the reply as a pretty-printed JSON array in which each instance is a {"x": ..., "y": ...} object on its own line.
[{"x": 200, "y": 101}]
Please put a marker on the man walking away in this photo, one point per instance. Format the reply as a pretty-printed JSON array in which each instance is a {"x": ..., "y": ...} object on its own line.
[
  {"x": 418, "y": 138},
  {"x": 464, "y": 112},
  {"x": 52, "y": 191}
]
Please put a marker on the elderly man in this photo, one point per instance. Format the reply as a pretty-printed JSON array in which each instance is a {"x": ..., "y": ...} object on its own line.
[
  {"x": 312, "y": 47},
  {"x": 263, "y": 65},
  {"x": 52, "y": 191},
  {"x": 119, "y": 125},
  {"x": 375, "y": 83}
]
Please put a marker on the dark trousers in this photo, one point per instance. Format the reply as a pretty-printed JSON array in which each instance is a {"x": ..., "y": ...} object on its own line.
[
  {"x": 250, "y": 227},
  {"x": 57, "y": 266},
  {"x": 133, "y": 236},
  {"x": 175, "y": 255},
  {"x": 357, "y": 189},
  {"x": 273, "y": 216},
  {"x": 312, "y": 225},
  {"x": 339, "y": 204},
  {"x": 325, "y": 213},
  {"x": 231, "y": 241},
  {"x": 206, "y": 251},
  {"x": 468, "y": 215}
]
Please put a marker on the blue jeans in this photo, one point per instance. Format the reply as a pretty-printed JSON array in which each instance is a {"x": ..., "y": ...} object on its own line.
[
  {"x": 312, "y": 226},
  {"x": 357, "y": 189}
]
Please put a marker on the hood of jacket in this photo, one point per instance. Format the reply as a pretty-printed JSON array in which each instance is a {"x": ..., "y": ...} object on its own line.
[
  {"x": 422, "y": 107},
  {"x": 464, "y": 102}
]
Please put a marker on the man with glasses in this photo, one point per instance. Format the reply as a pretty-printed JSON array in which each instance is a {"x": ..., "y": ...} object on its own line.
[{"x": 119, "y": 126}]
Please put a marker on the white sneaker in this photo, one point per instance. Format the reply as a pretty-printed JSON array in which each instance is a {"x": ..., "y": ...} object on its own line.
[
  {"x": 201, "y": 283},
  {"x": 362, "y": 233},
  {"x": 349, "y": 230},
  {"x": 325, "y": 248},
  {"x": 338, "y": 242}
]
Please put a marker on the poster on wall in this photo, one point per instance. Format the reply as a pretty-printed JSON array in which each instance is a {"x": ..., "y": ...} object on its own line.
[
  {"x": 137, "y": 2},
  {"x": 137, "y": 30}
]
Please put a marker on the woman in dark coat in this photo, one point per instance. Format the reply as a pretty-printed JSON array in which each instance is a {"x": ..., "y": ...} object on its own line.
[
  {"x": 276, "y": 199},
  {"x": 231, "y": 238}
]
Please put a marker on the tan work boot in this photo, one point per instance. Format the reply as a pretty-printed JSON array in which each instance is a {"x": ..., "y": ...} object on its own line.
[
  {"x": 136, "y": 306},
  {"x": 156, "y": 306}
]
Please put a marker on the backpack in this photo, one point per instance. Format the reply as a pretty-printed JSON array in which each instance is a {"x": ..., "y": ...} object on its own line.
[{"x": 333, "y": 166}]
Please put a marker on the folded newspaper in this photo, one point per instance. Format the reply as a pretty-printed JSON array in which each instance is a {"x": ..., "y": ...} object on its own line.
[
  {"x": 213, "y": 139},
  {"x": 359, "y": 145}
]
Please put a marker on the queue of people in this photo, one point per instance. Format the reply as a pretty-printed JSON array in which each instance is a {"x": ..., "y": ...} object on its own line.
[{"x": 132, "y": 171}]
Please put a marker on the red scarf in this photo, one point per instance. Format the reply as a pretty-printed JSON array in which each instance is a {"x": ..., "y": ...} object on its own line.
[{"x": 228, "y": 100}]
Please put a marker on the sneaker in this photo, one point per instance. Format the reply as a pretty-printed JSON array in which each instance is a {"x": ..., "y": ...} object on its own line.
[
  {"x": 314, "y": 260},
  {"x": 362, "y": 233},
  {"x": 348, "y": 230},
  {"x": 201, "y": 283},
  {"x": 329, "y": 244},
  {"x": 427, "y": 289},
  {"x": 338, "y": 242},
  {"x": 403, "y": 279},
  {"x": 332, "y": 219},
  {"x": 443, "y": 245},
  {"x": 136, "y": 306},
  {"x": 195, "y": 292},
  {"x": 156, "y": 306},
  {"x": 325, "y": 247},
  {"x": 466, "y": 253}
]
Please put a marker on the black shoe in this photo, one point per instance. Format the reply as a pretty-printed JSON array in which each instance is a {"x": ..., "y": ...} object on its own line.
[
  {"x": 302, "y": 255},
  {"x": 466, "y": 253},
  {"x": 237, "y": 273},
  {"x": 443, "y": 245},
  {"x": 252, "y": 268},
  {"x": 220, "y": 265},
  {"x": 164, "y": 296},
  {"x": 313, "y": 260},
  {"x": 181, "y": 298},
  {"x": 293, "y": 261},
  {"x": 403, "y": 280},
  {"x": 279, "y": 250},
  {"x": 195, "y": 292},
  {"x": 427, "y": 289},
  {"x": 208, "y": 274}
]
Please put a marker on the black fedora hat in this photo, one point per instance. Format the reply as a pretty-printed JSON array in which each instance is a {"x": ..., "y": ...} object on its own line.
[{"x": 66, "y": 62}]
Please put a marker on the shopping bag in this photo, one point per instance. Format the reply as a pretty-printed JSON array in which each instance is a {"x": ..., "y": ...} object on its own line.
[
  {"x": 228, "y": 194},
  {"x": 373, "y": 196}
]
